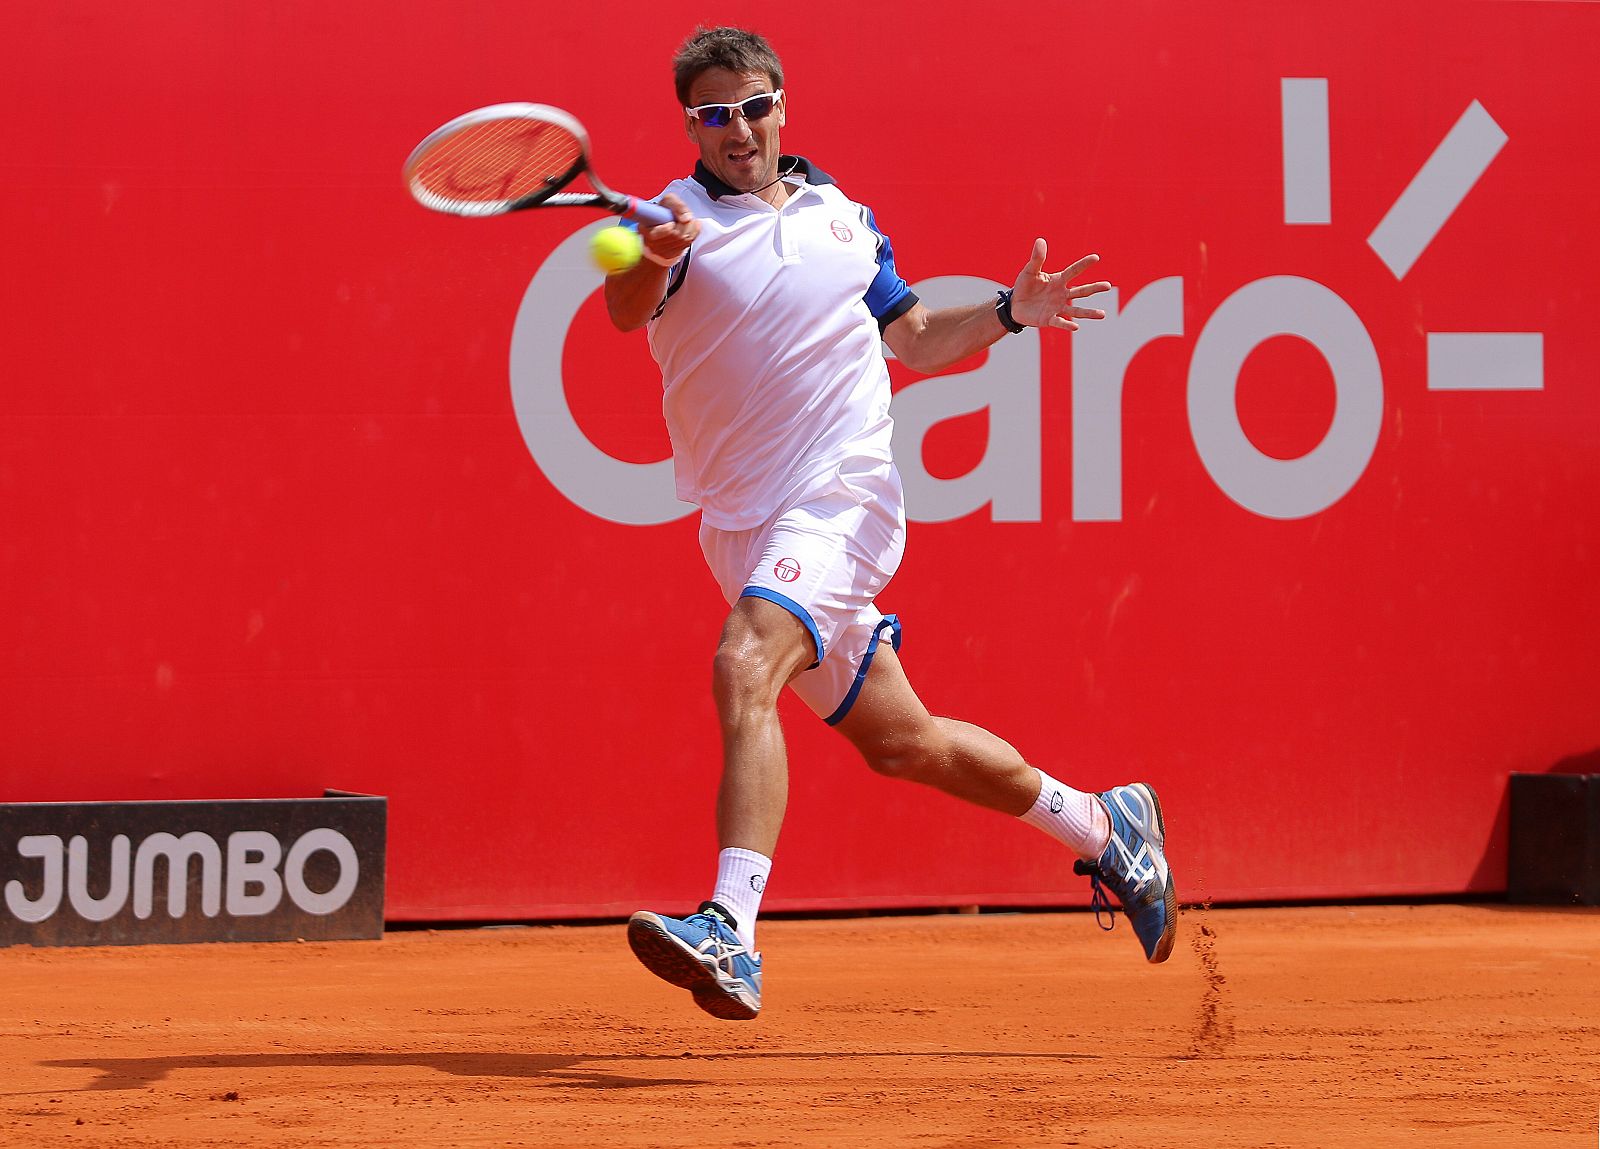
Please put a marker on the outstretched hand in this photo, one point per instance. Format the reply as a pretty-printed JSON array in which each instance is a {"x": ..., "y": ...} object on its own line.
[{"x": 1045, "y": 299}]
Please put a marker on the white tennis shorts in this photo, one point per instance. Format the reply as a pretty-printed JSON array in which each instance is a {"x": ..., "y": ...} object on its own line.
[{"x": 824, "y": 559}]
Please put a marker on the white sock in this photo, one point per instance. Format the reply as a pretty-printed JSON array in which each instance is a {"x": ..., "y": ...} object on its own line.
[
  {"x": 741, "y": 880},
  {"x": 1077, "y": 820}
]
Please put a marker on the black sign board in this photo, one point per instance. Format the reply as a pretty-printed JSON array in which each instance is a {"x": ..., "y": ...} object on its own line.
[
  {"x": 131, "y": 873},
  {"x": 1554, "y": 849}
]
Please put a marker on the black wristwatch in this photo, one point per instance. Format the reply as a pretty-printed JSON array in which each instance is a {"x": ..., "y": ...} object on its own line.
[{"x": 1002, "y": 308}]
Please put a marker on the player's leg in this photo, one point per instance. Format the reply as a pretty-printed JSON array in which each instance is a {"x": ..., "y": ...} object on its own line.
[
  {"x": 762, "y": 647},
  {"x": 711, "y": 953},
  {"x": 899, "y": 738},
  {"x": 1119, "y": 835}
]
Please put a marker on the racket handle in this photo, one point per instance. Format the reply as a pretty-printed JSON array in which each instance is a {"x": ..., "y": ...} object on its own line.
[{"x": 647, "y": 212}]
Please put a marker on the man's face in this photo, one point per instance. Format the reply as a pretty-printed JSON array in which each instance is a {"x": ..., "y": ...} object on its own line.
[{"x": 744, "y": 154}]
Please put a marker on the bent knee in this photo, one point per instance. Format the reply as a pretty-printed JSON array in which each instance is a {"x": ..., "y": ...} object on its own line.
[
  {"x": 910, "y": 757},
  {"x": 743, "y": 676},
  {"x": 762, "y": 647}
]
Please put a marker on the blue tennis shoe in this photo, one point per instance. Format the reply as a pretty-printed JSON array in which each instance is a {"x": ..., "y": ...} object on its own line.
[
  {"x": 1134, "y": 867},
  {"x": 702, "y": 954}
]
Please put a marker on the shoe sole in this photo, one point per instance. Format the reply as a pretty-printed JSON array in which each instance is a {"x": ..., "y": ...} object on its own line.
[
  {"x": 1163, "y": 948},
  {"x": 674, "y": 963}
]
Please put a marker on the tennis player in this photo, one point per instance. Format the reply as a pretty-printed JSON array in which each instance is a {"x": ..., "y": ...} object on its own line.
[{"x": 767, "y": 302}]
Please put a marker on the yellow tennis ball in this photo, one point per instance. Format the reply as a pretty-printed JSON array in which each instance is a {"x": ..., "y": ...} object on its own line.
[{"x": 615, "y": 249}]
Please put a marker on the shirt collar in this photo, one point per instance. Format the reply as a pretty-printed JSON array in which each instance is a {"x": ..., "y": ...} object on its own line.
[{"x": 801, "y": 168}]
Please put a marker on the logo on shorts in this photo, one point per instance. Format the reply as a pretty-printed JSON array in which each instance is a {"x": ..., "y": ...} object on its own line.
[
  {"x": 841, "y": 231},
  {"x": 757, "y": 883},
  {"x": 786, "y": 569},
  {"x": 1055, "y": 802}
]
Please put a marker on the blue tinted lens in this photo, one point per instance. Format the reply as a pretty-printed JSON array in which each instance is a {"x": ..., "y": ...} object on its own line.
[{"x": 721, "y": 115}]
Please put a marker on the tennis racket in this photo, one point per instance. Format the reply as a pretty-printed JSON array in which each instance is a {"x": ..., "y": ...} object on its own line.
[{"x": 508, "y": 157}]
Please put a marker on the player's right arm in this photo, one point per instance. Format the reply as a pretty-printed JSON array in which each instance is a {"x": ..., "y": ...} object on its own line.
[{"x": 632, "y": 296}]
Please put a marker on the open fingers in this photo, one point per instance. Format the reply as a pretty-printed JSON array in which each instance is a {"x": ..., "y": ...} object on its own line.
[
  {"x": 1035, "y": 264},
  {"x": 1080, "y": 267},
  {"x": 1066, "y": 318}
]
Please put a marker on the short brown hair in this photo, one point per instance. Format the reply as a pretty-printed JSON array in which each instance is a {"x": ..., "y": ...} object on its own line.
[{"x": 732, "y": 48}]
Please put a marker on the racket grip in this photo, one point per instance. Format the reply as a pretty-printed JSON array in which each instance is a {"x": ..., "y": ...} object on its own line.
[{"x": 647, "y": 212}]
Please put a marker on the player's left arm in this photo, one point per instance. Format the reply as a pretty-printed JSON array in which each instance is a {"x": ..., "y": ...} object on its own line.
[{"x": 928, "y": 341}]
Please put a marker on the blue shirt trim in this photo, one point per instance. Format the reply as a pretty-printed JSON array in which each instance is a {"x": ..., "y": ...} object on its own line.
[{"x": 888, "y": 297}]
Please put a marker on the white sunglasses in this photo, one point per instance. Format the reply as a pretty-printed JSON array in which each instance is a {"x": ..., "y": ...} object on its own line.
[{"x": 721, "y": 115}]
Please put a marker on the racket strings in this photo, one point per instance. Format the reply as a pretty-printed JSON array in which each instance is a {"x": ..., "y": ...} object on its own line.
[{"x": 500, "y": 161}]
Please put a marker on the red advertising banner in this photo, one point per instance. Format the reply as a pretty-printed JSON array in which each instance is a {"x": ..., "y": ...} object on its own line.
[{"x": 301, "y": 485}]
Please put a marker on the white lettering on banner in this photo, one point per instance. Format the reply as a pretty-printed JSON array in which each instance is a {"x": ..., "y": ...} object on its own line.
[
  {"x": 252, "y": 879},
  {"x": 640, "y": 494},
  {"x": 253, "y": 857},
  {"x": 1307, "y": 182},
  {"x": 177, "y": 852},
  {"x": 1285, "y": 488},
  {"x": 1101, "y": 352},
  {"x": 294, "y": 871},
  {"x": 1438, "y": 188},
  {"x": 1008, "y": 479},
  {"x": 90, "y": 908},
  {"x": 46, "y": 847}
]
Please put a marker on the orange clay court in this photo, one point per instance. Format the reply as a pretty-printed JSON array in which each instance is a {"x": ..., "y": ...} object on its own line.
[{"x": 1434, "y": 1025}]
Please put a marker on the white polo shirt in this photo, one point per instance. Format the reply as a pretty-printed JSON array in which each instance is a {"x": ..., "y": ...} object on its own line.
[{"x": 769, "y": 342}]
